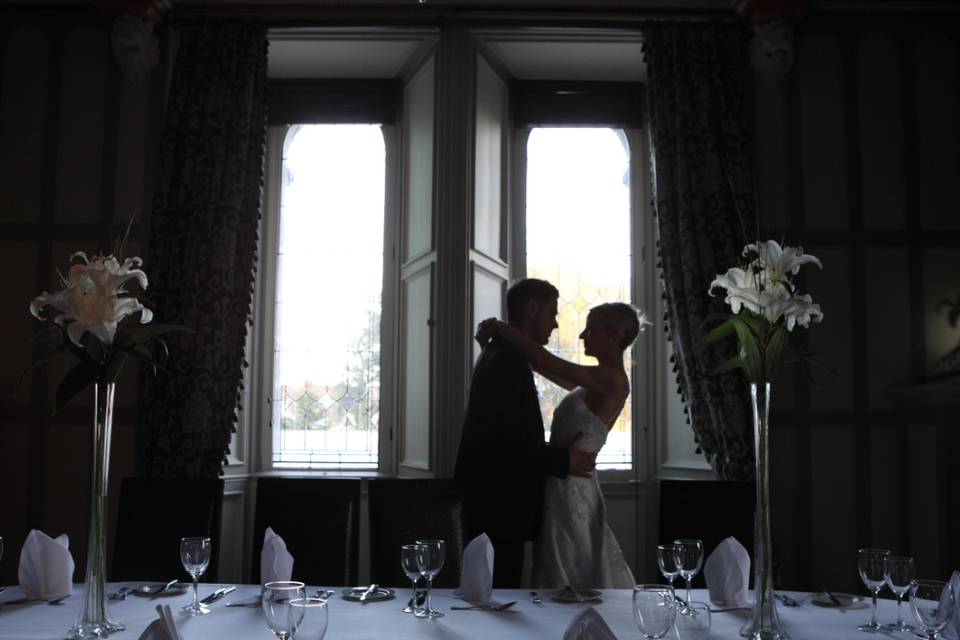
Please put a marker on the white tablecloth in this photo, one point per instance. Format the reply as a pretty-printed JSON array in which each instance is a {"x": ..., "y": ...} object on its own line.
[{"x": 379, "y": 620}]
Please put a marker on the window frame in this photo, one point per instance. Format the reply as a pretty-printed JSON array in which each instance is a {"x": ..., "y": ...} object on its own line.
[
  {"x": 261, "y": 368},
  {"x": 643, "y": 281}
]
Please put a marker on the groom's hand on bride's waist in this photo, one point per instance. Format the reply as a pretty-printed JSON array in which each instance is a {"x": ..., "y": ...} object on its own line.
[{"x": 582, "y": 462}]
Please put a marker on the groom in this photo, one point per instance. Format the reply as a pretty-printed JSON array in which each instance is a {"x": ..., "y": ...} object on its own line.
[{"x": 503, "y": 457}]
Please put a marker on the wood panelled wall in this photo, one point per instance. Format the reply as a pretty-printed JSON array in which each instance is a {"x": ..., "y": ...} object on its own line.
[
  {"x": 858, "y": 159},
  {"x": 77, "y": 148}
]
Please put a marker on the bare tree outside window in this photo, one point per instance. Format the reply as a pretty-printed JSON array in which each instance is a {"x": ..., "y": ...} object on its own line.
[
  {"x": 326, "y": 388},
  {"x": 578, "y": 238}
]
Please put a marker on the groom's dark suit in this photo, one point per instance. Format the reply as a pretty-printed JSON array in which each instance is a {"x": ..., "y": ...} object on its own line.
[{"x": 503, "y": 457}]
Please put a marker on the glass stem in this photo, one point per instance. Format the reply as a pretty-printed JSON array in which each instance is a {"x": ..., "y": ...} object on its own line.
[
  {"x": 873, "y": 621},
  {"x": 899, "y": 619},
  {"x": 688, "y": 579},
  {"x": 196, "y": 601},
  {"x": 429, "y": 585},
  {"x": 413, "y": 600}
]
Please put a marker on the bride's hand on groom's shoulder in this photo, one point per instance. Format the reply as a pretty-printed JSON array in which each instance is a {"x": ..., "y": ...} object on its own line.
[
  {"x": 582, "y": 462},
  {"x": 486, "y": 330}
]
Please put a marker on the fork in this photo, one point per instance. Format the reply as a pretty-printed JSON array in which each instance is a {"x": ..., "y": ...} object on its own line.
[
  {"x": 786, "y": 600},
  {"x": 499, "y": 607}
]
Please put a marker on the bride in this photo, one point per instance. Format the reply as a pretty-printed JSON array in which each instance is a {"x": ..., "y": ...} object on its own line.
[{"x": 576, "y": 546}]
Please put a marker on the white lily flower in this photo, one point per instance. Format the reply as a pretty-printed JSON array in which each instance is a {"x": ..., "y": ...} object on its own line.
[
  {"x": 802, "y": 311},
  {"x": 779, "y": 262},
  {"x": 90, "y": 298},
  {"x": 743, "y": 290}
]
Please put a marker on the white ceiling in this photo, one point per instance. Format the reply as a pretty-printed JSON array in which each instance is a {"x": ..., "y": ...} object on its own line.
[{"x": 536, "y": 55}]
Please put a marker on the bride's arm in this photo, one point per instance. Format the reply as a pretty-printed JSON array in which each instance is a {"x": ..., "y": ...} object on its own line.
[
  {"x": 563, "y": 382},
  {"x": 565, "y": 373}
]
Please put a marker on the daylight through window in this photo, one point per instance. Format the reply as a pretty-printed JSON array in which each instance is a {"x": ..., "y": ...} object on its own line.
[
  {"x": 326, "y": 386},
  {"x": 578, "y": 238}
]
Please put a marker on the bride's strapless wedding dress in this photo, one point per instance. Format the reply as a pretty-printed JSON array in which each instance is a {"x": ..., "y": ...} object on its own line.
[{"x": 576, "y": 546}]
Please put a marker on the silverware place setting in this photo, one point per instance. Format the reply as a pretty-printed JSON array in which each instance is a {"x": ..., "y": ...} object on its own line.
[
  {"x": 536, "y": 598},
  {"x": 121, "y": 593},
  {"x": 786, "y": 600},
  {"x": 216, "y": 595}
]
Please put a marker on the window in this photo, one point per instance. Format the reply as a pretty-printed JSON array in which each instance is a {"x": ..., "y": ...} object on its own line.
[
  {"x": 327, "y": 306},
  {"x": 578, "y": 236}
]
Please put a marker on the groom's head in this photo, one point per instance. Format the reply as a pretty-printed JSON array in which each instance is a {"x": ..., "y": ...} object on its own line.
[{"x": 532, "y": 308}]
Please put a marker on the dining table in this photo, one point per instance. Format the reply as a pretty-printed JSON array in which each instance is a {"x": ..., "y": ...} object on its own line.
[{"x": 536, "y": 614}]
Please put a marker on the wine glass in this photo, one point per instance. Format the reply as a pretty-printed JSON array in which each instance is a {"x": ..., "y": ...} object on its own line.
[
  {"x": 408, "y": 562},
  {"x": 932, "y": 603},
  {"x": 870, "y": 564},
  {"x": 689, "y": 557},
  {"x": 667, "y": 561},
  {"x": 429, "y": 562},
  {"x": 276, "y": 604},
  {"x": 899, "y": 573},
  {"x": 195, "y": 556},
  {"x": 310, "y": 618},
  {"x": 654, "y": 609},
  {"x": 693, "y": 621}
]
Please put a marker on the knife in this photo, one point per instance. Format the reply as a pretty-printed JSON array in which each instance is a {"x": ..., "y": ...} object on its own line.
[
  {"x": 216, "y": 595},
  {"x": 833, "y": 599},
  {"x": 164, "y": 588},
  {"x": 366, "y": 594}
]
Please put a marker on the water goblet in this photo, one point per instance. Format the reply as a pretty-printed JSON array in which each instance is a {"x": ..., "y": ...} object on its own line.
[
  {"x": 932, "y": 603},
  {"x": 408, "y": 562},
  {"x": 429, "y": 561},
  {"x": 310, "y": 618},
  {"x": 276, "y": 601},
  {"x": 195, "y": 556},
  {"x": 899, "y": 573},
  {"x": 689, "y": 556},
  {"x": 870, "y": 564},
  {"x": 654, "y": 609},
  {"x": 667, "y": 562},
  {"x": 693, "y": 621}
]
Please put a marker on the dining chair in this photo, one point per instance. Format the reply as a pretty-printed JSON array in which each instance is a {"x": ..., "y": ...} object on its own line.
[
  {"x": 405, "y": 510},
  {"x": 318, "y": 519},
  {"x": 155, "y": 513},
  {"x": 708, "y": 510}
]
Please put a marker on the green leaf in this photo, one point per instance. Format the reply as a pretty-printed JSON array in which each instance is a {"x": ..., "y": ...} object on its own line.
[
  {"x": 115, "y": 365},
  {"x": 79, "y": 378},
  {"x": 717, "y": 333},
  {"x": 733, "y": 363},
  {"x": 777, "y": 346}
]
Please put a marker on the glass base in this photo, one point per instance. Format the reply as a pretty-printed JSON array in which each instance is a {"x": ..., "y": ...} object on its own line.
[
  {"x": 898, "y": 626},
  {"x": 196, "y": 609},
  {"x": 871, "y": 627},
  {"x": 94, "y": 629},
  {"x": 428, "y": 613}
]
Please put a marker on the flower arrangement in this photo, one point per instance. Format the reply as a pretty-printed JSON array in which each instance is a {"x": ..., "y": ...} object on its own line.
[
  {"x": 100, "y": 322},
  {"x": 765, "y": 306}
]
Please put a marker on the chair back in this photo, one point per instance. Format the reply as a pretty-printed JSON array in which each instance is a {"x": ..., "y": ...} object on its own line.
[
  {"x": 708, "y": 510},
  {"x": 155, "y": 513},
  {"x": 405, "y": 510},
  {"x": 318, "y": 519}
]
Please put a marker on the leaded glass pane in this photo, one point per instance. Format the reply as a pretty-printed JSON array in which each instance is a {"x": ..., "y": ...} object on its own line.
[{"x": 578, "y": 238}]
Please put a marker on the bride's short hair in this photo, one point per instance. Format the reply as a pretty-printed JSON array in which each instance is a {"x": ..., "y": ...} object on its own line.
[{"x": 625, "y": 318}]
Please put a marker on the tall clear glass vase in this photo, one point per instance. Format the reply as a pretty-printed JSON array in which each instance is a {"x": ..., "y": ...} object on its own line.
[
  {"x": 764, "y": 624},
  {"x": 93, "y": 621}
]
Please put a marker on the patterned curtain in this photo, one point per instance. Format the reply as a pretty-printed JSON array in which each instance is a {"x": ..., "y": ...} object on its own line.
[
  {"x": 203, "y": 244},
  {"x": 703, "y": 198}
]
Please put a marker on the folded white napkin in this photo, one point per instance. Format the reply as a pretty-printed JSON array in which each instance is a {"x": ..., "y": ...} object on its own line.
[
  {"x": 952, "y": 630},
  {"x": 276, "y": 563},
  {"x": 588, "y": 625},
  {"x": 727, "y": 572},
  {"x": 476, "y": 577},
  {"x": 163, "y": 628},
  {"x": 46, "y": 566}
]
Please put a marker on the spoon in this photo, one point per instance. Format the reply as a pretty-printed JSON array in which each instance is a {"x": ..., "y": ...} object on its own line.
[
  {"x": 499, "y": 607},
  {"x": 536, "y": 597}
]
